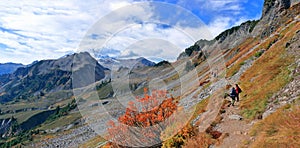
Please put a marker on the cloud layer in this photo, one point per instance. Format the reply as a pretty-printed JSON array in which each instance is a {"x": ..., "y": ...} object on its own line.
[{"x": 36, "y": 30}]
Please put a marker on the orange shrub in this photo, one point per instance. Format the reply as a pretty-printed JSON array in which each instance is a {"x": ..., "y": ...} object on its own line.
[
  {"x": 202, "y": 140},
  {"x": 146, "y": 112}
]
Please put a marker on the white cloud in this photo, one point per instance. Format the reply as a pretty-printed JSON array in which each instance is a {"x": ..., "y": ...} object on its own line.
[
  {"x": 221, "y": 5},
  {"x": 223, "y": 14},
  {"x": 218, "y": 25},
  {"x": 213, "y": 5},
  {"x": 117, "y": 5},
  {"x": 128, "y": 54},
  {"x": 134, "y": 31},
  {"x": 150, "y": 40},
  {"x": 50, "y": 29},
  {"x": 66, "y": 50}
]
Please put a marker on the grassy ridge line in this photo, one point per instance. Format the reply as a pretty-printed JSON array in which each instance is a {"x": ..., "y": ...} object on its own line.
[
  {"x": 244, "y": 49},
  {"x": 268, "y": 75},
  {"x": 240, "y": 62}
]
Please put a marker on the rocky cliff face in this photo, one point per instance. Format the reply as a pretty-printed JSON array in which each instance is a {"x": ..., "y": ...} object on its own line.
[
  {"x": 275, "y": 14},
  {"x": 234, "y": 36},
  {"x": 274, "y": 6}
]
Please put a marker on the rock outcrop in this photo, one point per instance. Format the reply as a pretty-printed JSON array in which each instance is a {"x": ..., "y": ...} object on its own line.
[
  {"x": 5, "y": 126},
  {"x": 275, "y": 14}
]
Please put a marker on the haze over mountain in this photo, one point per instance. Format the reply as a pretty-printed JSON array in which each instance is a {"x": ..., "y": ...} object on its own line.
[
  {"x": 110, "y": 62},
  {"x": 6, "y": 68}
]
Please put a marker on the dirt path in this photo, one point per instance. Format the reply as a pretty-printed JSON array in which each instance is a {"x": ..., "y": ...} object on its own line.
[
  {"x": 232, "y": 123},
  {"x": 235, "y": 127}
]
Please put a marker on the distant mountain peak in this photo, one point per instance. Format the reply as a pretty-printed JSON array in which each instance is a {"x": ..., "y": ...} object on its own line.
[
  {"x": 145, "y": 61},
  {"x": 7, "y": 68},
  {"x": 51, "y": 76},
  {"x": 109, "y": 62}
]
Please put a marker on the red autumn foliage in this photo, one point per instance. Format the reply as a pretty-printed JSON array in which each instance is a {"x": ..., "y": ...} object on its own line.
[{"x": 145, "y": 114}]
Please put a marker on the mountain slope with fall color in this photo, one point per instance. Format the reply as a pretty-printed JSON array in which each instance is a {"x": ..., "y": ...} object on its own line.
[{"x": 262, "y": 56}]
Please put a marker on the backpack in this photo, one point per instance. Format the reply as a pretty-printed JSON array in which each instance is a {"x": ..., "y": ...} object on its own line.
[
  {"x": 239, "y": 90},
  {"x": 233, "y": 93}
]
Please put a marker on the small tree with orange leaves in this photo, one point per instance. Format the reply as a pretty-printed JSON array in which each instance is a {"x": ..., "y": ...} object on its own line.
[{"x": 143, "y": 120}]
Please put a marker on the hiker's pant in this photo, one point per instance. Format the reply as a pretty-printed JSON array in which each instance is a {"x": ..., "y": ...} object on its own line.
[
  {"x": 232, "y": 100},
  {"x": 238, "y": 97}
]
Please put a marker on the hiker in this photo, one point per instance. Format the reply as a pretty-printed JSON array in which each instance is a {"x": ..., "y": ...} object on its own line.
[
  {"x": 232, "y": 95},
  {"x": 238, "y": 90}
]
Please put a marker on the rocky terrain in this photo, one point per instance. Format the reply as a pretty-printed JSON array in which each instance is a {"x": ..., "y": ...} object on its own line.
[{"x": 262, "y": 53}]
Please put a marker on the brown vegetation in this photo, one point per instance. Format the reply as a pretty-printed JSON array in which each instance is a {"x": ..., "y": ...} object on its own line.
[
  {"x": 280, "y": 129},
  {"x": 266, "y": 76}
]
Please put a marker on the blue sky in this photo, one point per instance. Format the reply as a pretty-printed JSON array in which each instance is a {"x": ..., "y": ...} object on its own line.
[{"x": 36, "y": 30}]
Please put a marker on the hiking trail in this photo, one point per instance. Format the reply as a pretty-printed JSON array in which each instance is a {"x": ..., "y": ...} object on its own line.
[{"x": 234, "y": 126}]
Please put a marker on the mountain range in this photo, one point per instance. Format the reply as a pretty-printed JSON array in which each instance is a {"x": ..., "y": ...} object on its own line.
[
  {"x": 262, "y": 56},
  {"x": 46, "y": 76}
]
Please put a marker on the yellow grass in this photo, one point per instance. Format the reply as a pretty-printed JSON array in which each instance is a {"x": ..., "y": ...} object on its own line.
[
  {"x": 62, "y": 121},
  {"x": 280, "y": 129},
  {"x": 241, "y": 49},
  {"x": 267, "y": 76},
  {"x": 200, "y": 108},
  {"x": 250, "y": 43},
  {"x": 235, "y": 68},
  {"x": 201, "y": 140},
  {"x": 21, "y": 116}
]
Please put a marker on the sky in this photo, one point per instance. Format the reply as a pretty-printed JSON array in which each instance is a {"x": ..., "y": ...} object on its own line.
[{"x": 37, "y": 30}]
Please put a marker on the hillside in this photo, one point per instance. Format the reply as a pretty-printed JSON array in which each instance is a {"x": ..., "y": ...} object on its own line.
[
  {"x": 262, "y": 56},
  {"x": 46, "y": 76},
  {"x": 265, "y": 63}
]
